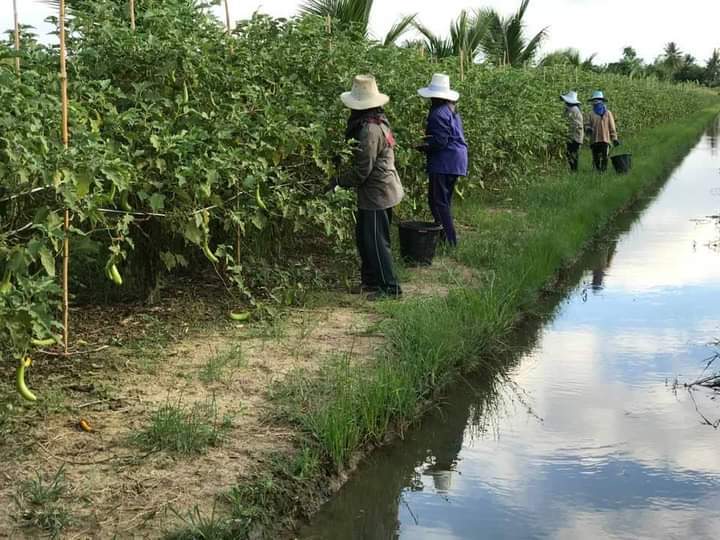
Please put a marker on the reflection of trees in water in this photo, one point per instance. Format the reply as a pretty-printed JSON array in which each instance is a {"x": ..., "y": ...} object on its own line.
[
  {"x": 713, "y": 134},
  {"x": 709, "y": 378}
]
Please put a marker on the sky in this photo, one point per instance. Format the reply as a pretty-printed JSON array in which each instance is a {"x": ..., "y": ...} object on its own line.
[{"x": 603, "y": 27}]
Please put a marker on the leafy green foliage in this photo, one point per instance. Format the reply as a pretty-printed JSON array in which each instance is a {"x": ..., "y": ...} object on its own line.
[{"x": 183, "y": 135}]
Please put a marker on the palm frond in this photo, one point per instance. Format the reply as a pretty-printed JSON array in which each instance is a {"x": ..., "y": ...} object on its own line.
[
  {"x": 346, "y": 12},
  {"x": 531, "y": 49},
  {"x": 399, "y": 29}
]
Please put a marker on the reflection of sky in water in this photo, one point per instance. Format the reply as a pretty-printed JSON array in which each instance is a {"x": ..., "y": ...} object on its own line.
[{"x": 610, "y": 451}]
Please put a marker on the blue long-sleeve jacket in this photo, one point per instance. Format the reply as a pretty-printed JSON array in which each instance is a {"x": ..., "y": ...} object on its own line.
[{"x": 447, "y": 151}]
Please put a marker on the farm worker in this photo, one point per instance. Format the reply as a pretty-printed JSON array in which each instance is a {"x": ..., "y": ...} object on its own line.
[
  {"x": 601, "y": 129},
  {"x": 575, "y": 129},
  {"x": 445, "y": 149},
  {"x": 376, "y": 179}
]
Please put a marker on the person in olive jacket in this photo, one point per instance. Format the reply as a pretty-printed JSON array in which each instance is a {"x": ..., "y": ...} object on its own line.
[
  {"x": 574, "y": 119},
  {"x": 446, "y": 151},
  {"x": 378, "y": 185},
  {"x": 601, "y": 129}
]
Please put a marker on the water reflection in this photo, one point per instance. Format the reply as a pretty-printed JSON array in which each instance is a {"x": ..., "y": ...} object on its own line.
[{"x": 583, "y": 436}]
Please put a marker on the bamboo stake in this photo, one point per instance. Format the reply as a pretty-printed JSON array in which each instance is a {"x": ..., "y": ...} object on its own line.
[
  {"x": 66, "y": 144},
  {"x": 17, "y": 37},
  {"x": 238, "y": 229},
  {"x": 462, "y": 64},
  {"x": 227, "y": 15},
  {"x": 132, "y": 15},
  {"x": 328, "y": 24}
]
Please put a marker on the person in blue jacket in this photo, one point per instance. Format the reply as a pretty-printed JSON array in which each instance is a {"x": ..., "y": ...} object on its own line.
[{"x": 446, "y": 151}]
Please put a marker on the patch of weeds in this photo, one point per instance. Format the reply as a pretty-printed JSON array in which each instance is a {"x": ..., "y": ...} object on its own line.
[
  {"x": 216, "y": 368},
  {"x": 274, "y": 328},
  {"x": 149, "y": 340},
  {"x": 196, "y": 526},
  {"x": 6, "y": 420},
  {"x": 51, "y": 401},
  {"x": 38, "y": 503},
  {"x": 185, "y": 430},
  {"x": 288, "y": 488}
]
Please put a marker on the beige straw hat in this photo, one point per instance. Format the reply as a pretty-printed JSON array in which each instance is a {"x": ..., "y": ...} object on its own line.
[{"x": 364, "y": 94}]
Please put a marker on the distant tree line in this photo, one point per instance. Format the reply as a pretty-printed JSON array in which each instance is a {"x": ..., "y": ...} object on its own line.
[{"x": 485, "y": 36}]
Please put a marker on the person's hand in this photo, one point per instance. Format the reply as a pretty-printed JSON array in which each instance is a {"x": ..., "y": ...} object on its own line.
[{"x": 616, "y": 143}]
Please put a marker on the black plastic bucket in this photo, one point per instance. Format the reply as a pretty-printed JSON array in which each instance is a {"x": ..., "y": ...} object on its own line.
[
  {"x": 622, "y": 163},
  {"x": 418, "y": 240}
]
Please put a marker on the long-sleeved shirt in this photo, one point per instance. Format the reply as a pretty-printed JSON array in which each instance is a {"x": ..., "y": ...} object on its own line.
[
  {"x": 373, "y": 170},
  {"x": 575, "y": 124},
  {"x": 445, "y": 146},
  {"x": 601, "y": 129}
]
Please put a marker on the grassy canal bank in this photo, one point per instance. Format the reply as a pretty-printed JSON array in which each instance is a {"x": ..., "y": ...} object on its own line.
[{"x": 513, "y": 245}]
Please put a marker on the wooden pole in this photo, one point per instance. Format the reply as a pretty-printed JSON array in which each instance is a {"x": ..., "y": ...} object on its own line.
[
  {"x": 227, "y": 16},
  {"x": 462, "y": 64},
  {"x": 132, "y": 14},
  {"x": 17, "y": 37},
  {"x": 66, "y": 144}
]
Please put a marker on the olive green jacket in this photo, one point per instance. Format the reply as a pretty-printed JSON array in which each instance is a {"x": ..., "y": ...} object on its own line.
[
  {"x": 575, "y": 124},
  {"x": 373, "y": 171}
]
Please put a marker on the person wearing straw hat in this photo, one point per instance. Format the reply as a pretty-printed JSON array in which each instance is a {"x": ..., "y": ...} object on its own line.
[
  {"x": 574, "y": 118},
  {"x": 373, "y": 174},
  {"x": 601, "y": 129},
  {"x": 446, "y": 151}
]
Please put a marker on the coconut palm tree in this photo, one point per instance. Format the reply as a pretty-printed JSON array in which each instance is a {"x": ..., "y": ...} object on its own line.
[
  {"x": 672, "y": 56},
  {"x": 568, "y": 57},
  {"x": 712, "y": 69},
  {"x": 504, "y": 42},
  {"x": 466, "y": 33},
  {"x": 355, "y": 13}
]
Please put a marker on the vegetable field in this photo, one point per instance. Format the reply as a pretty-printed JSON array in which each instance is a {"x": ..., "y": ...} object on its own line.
[{"x": 192, "y": 147}]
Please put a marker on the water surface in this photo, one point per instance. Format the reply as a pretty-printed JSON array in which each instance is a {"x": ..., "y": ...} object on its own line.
[{"x": 588, "y": 435}]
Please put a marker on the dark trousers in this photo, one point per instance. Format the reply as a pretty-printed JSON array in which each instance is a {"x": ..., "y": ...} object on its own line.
[
  {"x": 372, "y": 234},
  {"x": 600, "y": 153},
  {"x": 573, "y": 155},
  {"x": 440, "y": 194}
]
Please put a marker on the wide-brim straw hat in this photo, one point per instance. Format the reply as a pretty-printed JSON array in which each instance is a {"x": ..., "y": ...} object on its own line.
[
  {"x": 364, "y": 94},
  {"x": 571, "y": 98},
  {"x": 439, "y": 88},
  {"x": 598, "y": 95}
]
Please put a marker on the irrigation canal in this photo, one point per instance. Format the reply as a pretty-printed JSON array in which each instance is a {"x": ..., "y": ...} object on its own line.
[{"x": 587, "y": 435}]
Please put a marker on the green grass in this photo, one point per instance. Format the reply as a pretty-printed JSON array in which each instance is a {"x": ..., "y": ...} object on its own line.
[
  {"x": 220, "y": 365},
  {"x": 196, "y": 526},
  {"x": 38, "y": 503},
  {"x": 184, "y": 430}
]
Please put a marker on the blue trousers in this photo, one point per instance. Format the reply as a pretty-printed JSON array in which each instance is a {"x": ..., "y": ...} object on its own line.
[{"x": 440, "y": 194}]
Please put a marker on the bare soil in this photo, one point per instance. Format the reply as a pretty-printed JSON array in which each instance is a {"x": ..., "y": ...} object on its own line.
[{"x": 181, "y": 352}]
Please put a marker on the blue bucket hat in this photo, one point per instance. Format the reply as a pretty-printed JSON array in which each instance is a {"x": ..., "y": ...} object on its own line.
[{"x": 597, "y": 94}]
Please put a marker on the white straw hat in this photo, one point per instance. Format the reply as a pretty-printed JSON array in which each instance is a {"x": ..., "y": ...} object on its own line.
[
  {"x": 571, "y": 98},
  {"x": 439, "y": 88},
  {"x": 364, "y": 94}
]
